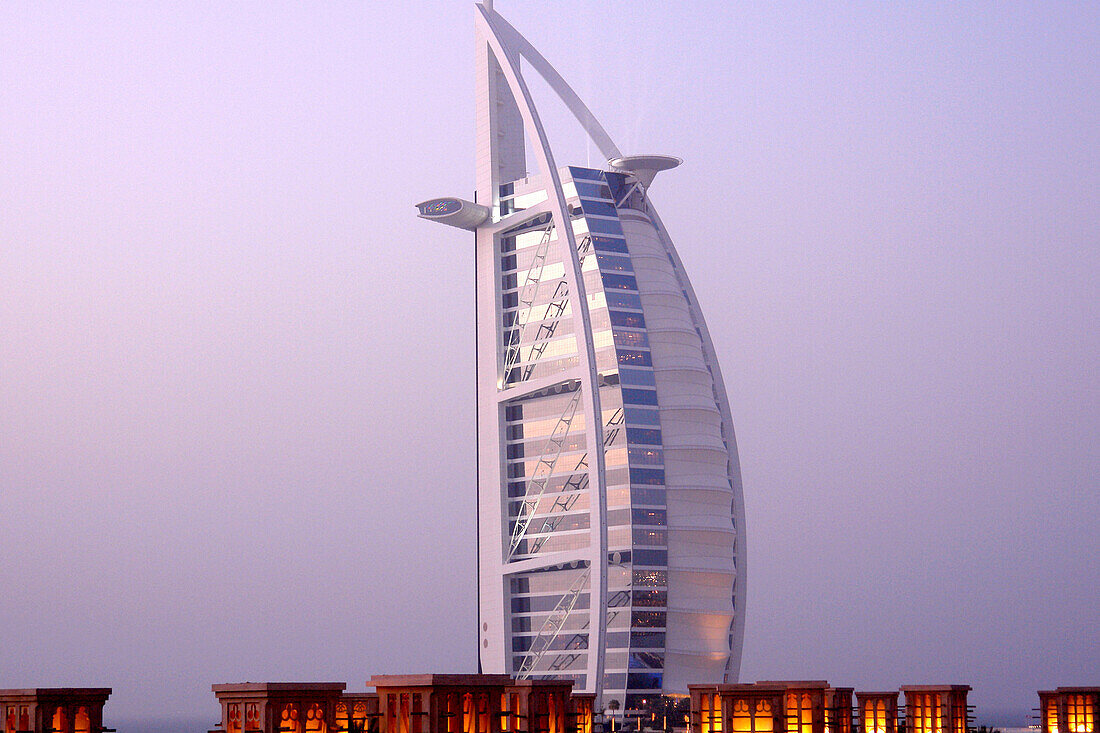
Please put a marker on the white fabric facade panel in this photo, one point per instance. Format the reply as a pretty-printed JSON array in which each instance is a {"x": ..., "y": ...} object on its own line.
[{"x": 701, "y": 534}]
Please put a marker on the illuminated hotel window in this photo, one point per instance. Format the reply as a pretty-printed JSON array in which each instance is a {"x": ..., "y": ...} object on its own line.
[
  {"x": 81, "y": 721},
  {"x": 710, "y": 713},
  {"x": 483, "y": 713},
  {"x": 926, "y": 712},
  {"x": 233, "y": 719},
  {"x": 1080, "y": 713},
  {"x": 751, "y": 716},
  {"x": 315, "y": 719},
  {"x": 450, "y": 709},
  {"x": 289, "y": 722},
  {"x": 584, "y": 715},
  {"x": 403, "y": 720},
  {"x": 60, "y": 722},
  {"x": 1050, "y": 715},
  {"x": 799, "y": 713},
  {"x": 469, "y": 717},
  {"x": 874, "y": 716},
  {"x": 958, "y": 714}
]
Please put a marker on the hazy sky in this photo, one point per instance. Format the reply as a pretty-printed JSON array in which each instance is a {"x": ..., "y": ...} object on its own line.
[{"x": 236, "y": 372}]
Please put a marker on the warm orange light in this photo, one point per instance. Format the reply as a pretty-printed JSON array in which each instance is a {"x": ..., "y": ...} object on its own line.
[
  {"x": 763, "y": 720},
  {"x": 1080, "y": 713},
  {"x": 289, "y": 718},
  {"x": 742, "y": 717},
  {"x": 315, "y": 719},
  {"x": 60, "y": 721}
]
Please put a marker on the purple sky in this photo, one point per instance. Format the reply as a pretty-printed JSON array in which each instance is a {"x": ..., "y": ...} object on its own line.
[{"x": 236, "y": 372}]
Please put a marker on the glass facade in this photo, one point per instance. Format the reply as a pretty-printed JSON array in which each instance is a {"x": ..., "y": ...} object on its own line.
[{"x": 549, "y": 497}]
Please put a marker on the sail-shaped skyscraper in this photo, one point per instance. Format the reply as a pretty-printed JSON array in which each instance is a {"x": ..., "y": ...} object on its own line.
[{"x": 611, "y": 543}]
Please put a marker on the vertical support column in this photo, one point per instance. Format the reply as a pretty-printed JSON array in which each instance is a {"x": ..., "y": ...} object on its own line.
[{"x": 578, "y": 301}]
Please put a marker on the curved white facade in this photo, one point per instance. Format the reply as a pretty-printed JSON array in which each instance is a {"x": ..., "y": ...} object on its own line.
[{"x": 611, "y": 523}]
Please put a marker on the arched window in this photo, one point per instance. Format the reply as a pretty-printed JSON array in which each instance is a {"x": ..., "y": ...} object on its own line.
[
  {"x": 360, "y": 719},
  {"x": 233, "y": 718},
  {"x": 452, "y": 710},
  {"x": 799, "y": 713},
  {"x": 60, "y": 723},
  {"x": 469, "y": 721},
  {"x": 315, "y": 719},
  {"x": 289, "y": 719},
  {"x": 763, "y": 719},
  {"x": 82, "y": 723}
]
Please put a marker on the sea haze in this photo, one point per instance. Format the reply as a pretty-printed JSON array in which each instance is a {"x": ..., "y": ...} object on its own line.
[{"x": 162, "y": 725}]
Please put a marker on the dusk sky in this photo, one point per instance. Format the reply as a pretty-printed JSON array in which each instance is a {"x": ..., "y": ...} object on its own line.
[{"x": 237, "y": 372}]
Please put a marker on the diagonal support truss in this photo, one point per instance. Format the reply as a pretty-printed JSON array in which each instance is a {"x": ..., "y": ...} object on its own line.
[
  {"x": 552, "y": 626},
  {"x": 617, "y": 603},
  {"x": 555, "y": 309},
  {"x": 573, "y": 488},
  {"x": 527, "y": 296},
  {"x": 544, "y": 471}
]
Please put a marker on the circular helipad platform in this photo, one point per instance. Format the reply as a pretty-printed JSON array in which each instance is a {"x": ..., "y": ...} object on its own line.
[{"x": 645, "y": 167}]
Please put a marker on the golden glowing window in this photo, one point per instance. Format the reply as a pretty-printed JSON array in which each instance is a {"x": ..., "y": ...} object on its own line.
[
  {"x": 799, "y": 713},
  {"x": 10, "y": 720},
  {"x": 1050, "y": 715},
  {"x": 554, "y": 711},
  {"x": 233, "y": 719},
  {"x": 926, "y": 712},
  {"x": 82, "y": 722},
  {"x": 289, "y": 721},
  {"x": 315, "y": 719},
  {"x": 584, "y": 716},
  {"x": 469, "y": 721},
  {"x": 763, "y": 719},
  {"x": 483, "y": 713},
  {"x": 452, "y": 713},
  {"x": 251, "y": 717},
  {"x": 741, "y": 717},
  {"x": 958, "y": 714},
  {"x": 403, "y": 715},
  {"x": 60, "y": 722},
  {"x": 710, "y": 713},
  {"x": 1081, "y": 713},
  {"x": 752, "y": 716},
  {"x": 505, "y": 716},
  {"x": 874, "y": 716}
]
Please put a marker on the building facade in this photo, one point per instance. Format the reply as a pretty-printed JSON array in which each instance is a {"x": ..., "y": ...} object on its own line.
[{"x": 611, "y": 542}]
